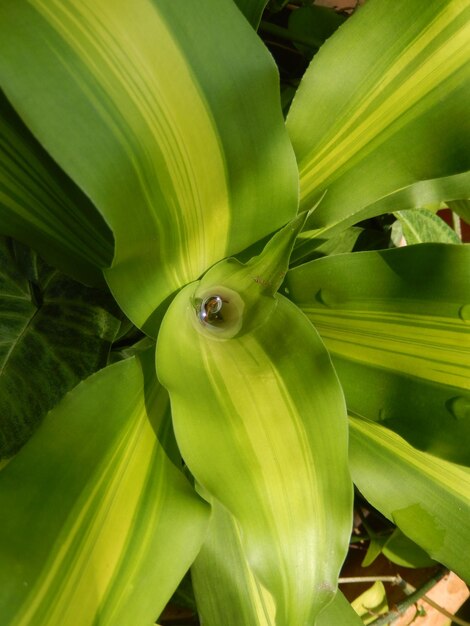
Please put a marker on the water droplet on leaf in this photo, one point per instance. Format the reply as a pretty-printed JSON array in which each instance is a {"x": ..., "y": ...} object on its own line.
[
  {"x": 328, "y": 298},
  {"x": 459, "y": 407},
  {"x": 464, "y": 312}
]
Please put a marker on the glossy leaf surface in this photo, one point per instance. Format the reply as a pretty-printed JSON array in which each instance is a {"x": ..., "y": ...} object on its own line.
[
  {"x": 397, "y": 325},
  {"x": 41, "y": 207},
  {"x": 380, "y": 118},
  {"x": 426, "y": 497},
  {"x": 152, "y": 108},
  {"x": 260, "y": 423},
  {"x": 101, "y": 526},
  {"x": 54, "y": 333}
]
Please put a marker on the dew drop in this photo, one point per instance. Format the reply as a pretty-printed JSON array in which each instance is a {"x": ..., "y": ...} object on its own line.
[
  {"x": 459, "y": 407},
  {"x": 464, "y": 312},
  {"x": 210, "y": 308},
  {"x": 382, "y": 415},
  {"x": 328, "y": 298}
]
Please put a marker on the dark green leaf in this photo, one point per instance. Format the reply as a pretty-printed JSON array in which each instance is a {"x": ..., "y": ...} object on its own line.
[
  {"x": 252, "y": 10},
  {"x": 41, "y": 207},
  {"x": 315, "y": 23},
  {"x": 53, "y": 333}
]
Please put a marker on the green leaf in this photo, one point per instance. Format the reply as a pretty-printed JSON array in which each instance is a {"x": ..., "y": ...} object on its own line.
[
  {"x": 462, "y": 208},
  {"x": 54, "y": 333},
  {"x": 227, "y": 591},
  {"x": 380, "y": 118},
  {"x": 314, "y": 23},
  {"x": 101, "y": 526},
  {"x": 252, "y": 10},
  {"x": 339, "y": 611},
  {"x": 397, "y": 325},
  {"x": 154, "y": 110},
  {"x": 259, "y": 419},
  {"x": 404, "y": 552},
  {"x": 41, "y": 207},
  {"x": 426, "y": 497},
  {"x": 371, "y": 603},
  {"x": 422, "y": 226}
]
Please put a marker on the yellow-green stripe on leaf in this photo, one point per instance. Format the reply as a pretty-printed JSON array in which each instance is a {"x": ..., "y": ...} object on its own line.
[
  {"x": 259, "y": 417},
  {"x": 378, "y": 117},
  {"x": 152, "y": 109},
  {"x": 98, "y": 526},
  {"x": 396, "y": 323},
  {"x": 426, "y": 497}
]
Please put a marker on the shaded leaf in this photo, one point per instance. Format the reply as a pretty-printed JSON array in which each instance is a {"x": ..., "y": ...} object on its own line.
[
  {"x": 252, "y": 430},
  {"x": 402, "y": 551},
  {"x": 101, "y": 526},
  {"x": 41, "y": 207},
  {"x": 396, "y": 323},
  {"x": 339, "y": 611},
  {"x": 185, "y": 151},
  {"x": 461, "y": 207},
  {"x": 252, "y": 10},
  {"x": 53, "y": 333},
  {"x": 390, "y": 87},
  {"x": 426, "y": 497},
  {"x": 316, "y": 23},
  {"x": 227, "y": 592}
]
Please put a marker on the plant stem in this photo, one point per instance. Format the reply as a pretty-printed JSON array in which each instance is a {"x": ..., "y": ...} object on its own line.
[
  {"x": 412, "y": 598},
  {"x": 369, "y": 579}
]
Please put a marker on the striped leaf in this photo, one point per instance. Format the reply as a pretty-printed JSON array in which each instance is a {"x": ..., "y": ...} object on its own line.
[
  {"x": 380, "y": 119},
  {"x": 100, "y": 525},
  {"x": 259, "y": 419},
  {"x": 153, "y": 109},
  {"x": 397, "y": 325},
  {"x": 227, "y": 592},
  {"x": 426, "y": 497},
  {"x": 41, "y": 207},
  {"x": 54, "y": 332}
]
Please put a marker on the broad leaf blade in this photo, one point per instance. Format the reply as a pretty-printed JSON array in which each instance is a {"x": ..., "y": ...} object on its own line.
[
  {"x": 396, "y": 323},
  {"x": 226, "y": 589},
  {"x": 380, "y": 118},
  {"x": 41, "y": 207},
  {"x": 54, "y": 333},
  {"x": 428, "y": 498},
  {"x": 255, "y": 433},
  {"x": 100, "y": 525},
  {"x": 158, "y": 118}
]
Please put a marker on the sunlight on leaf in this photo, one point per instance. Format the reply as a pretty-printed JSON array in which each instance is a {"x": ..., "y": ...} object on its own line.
[{"x": 101, "y": 526}]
